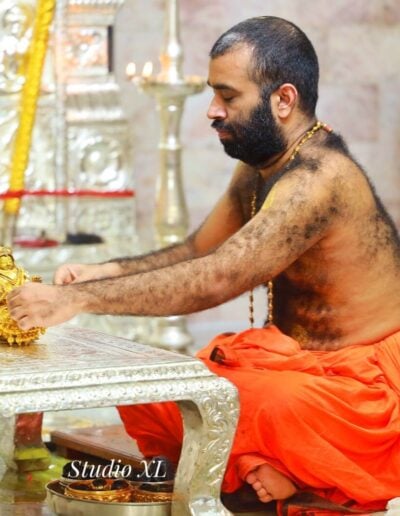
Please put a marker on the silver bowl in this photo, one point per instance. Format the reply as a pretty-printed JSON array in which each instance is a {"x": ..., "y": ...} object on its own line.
[{"x": 65, "y": 506}]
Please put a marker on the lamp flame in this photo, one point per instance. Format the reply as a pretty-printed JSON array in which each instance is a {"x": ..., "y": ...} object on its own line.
[
  {"x": 147, "y": 69},
  {"x": 130, "y": 70}
]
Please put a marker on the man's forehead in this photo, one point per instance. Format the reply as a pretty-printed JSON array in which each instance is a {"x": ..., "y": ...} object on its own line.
[
  {"x": 230, "y": 69},
  {"x": 222, "y": 85}
]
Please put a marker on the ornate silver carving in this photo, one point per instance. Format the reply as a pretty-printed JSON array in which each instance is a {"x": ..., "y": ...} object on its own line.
[
  {"x": 210, "y": 450},
  {"x": 97, "y": 131},
  {"x": 80, "y": 140},
  {"x": 16, "y": 29},
  {"x": 75, "y": 368},
  {"x": 7, "y": 426},
  {"x": 61, "y": 148},
  {"x": 103, "y": 6},
  {"x": 16, "y": 22},
  {"x": 86, "y": 51},
  {"x": 79, "y": 115}
]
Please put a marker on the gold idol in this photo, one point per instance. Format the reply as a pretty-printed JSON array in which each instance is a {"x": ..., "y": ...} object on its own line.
[{"x": 12, "y": 276}]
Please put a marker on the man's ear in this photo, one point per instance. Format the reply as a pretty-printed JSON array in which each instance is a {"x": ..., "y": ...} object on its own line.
[{"x": 284, "y": 100}]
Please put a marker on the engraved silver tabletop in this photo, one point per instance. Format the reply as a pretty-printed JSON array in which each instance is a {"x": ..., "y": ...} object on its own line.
[{"x": 70, "y": 368}]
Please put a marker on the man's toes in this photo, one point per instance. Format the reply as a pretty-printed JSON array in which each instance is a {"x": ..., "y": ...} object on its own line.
[
  {"x": 257, "y": 485},
  {"x": 262, "y": 492},
  {"x": 251, "y": 478},
  {"x": 265, "y": 499}
]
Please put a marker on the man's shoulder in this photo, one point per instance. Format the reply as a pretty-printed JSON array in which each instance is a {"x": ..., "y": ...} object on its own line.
[
  {"x": 325, "y": 177},
  {"x": 343, "y": 173},
  {"x": 327, "y": 167}
]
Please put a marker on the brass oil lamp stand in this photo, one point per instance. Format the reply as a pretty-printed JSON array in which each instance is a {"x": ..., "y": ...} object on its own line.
[{"x": 170, "y": 88}]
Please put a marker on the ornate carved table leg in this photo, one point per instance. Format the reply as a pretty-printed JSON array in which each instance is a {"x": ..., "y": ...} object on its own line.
[
  {"x": 30, "y": 452},
  {"x": 21, "y": 444},
  {"x": 7, "y": 430},
  {"x": 209, "y": 427}
]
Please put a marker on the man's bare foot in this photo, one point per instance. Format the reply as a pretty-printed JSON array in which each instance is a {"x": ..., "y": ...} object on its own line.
[{"x": 270, "y": 484}]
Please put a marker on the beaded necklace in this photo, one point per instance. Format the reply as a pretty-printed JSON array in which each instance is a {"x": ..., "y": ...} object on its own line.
[{"x": 270, "y": 286}]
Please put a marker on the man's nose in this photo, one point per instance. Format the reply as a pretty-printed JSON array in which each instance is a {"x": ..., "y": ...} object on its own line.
[{"x": 216, "y": 110}]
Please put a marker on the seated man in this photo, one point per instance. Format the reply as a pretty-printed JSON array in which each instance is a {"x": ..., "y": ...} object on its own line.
[{"x": 319, "y": 386}]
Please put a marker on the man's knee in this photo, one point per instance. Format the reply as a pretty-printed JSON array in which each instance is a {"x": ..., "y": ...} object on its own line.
[{"x": 286, "y": 397}]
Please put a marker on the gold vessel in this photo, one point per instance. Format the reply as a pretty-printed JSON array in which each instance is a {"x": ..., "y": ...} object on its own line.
[
  {"x": 12, "y": 276},
  {"x": 144, "y": 496},
  {"x": 60, "y": 503},
  {"x": 109, "y": 491}
]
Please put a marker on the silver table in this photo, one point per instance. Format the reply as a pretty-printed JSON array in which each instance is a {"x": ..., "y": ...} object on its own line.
[{"x": 71, "y": 368}]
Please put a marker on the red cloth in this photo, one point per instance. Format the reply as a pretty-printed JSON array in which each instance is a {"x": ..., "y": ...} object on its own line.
[{"x": 329, "y": 420}]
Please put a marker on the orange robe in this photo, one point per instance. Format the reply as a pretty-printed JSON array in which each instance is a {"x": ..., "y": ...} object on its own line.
[{"x": 329, "y": 420}]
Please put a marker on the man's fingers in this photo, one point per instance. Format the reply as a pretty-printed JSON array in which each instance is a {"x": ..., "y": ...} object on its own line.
[
  {"x": 58, "y": 279},
  {"x": 39, "y": 305},
  {"x": 17, "y": 313},
  {"x": 63, "y": 276},
  {"x": 13, "y": 298},
  {"x": 25, "y": 320},
  {"x": 21, "y": 295},
  {"x": 67, "y": 274},
  {"x": 26, "y": 324}
]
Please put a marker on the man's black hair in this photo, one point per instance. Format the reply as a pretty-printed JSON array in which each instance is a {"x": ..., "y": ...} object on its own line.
[{"x": 281, "y": 53}]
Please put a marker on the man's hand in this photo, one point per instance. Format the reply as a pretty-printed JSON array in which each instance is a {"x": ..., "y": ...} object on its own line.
[
  {"x": 77, "y": 272},
  {"x": 35, "y": 304},
  {"x": 70, "y": 273}
]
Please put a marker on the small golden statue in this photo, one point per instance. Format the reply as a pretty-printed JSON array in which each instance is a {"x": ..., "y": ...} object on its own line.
[{"x": 12, "y": 276}]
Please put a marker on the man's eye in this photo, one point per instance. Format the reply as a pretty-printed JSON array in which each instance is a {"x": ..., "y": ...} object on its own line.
[{"x": 228, "y": 99}]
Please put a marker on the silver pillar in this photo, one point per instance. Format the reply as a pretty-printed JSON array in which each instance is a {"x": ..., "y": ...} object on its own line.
[{"x": 170, "y": 88}]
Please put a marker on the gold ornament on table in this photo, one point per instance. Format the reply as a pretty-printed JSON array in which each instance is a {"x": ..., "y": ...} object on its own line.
[{"x": 12, "y": 276}]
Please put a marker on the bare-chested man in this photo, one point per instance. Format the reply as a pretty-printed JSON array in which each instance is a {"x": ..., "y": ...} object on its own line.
[{"x": 319, "y": 388}]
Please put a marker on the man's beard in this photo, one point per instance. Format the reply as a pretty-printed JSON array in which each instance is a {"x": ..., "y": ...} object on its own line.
[{"x": 256, "y": 140}]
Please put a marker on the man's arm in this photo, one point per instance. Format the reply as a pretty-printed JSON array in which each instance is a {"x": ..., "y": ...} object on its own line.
[
  {"x": 300, "y": 210},
  {"x": 225, "y": 218}
]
